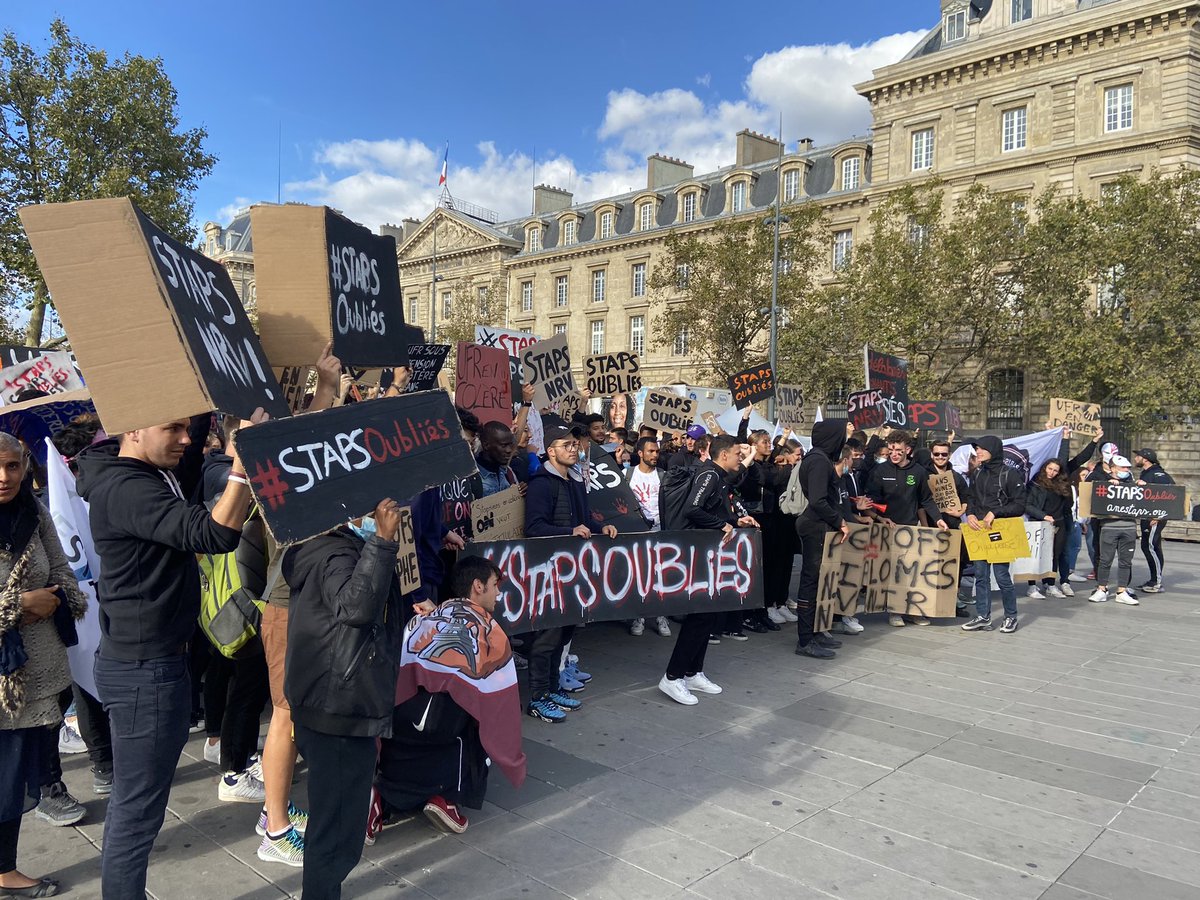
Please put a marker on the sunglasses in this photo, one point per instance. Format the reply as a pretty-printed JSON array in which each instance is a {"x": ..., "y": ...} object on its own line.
[{"x": 940, "y": 455}]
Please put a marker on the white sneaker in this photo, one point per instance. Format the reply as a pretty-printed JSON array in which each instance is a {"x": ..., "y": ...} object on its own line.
[
  {"x": 896, "y": 621},
  {"x": 788, "y": 615},
  {"x": 69, "y": 740},
  {"x": 791, "y": 604},
  {"x": 775, "y": 615},
  {"x": 847, "y": 625},
  {"x": 1125, "y": 597},
  {"x": 700, "y": 683},
  {"x": 1067, "y": 590},
  {"x": 212, "y": 753},
  {"x": 1099, "y": 595},
  {"x": 637, "y": 627},
  {"x": 1035, "y": 593},
  {"x": 1055, "y": 591},
  {"x": 1077, "y": 577},
  {"x": 677, "y": 690},
  {"x": 288, "y": 849},
  {"x": 240, "y": 787},
  {"x": 662, "y": 626}
]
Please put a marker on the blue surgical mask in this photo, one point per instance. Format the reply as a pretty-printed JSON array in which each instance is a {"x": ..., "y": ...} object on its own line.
[
  {"x": 1124, "y": 476},
  {"x": 366, "y": 529}
]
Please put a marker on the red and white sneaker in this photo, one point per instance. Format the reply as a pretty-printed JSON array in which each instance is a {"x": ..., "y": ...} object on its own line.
[
  {"x": 445, "y": 816},
  {"x": 374, "y": 817}
]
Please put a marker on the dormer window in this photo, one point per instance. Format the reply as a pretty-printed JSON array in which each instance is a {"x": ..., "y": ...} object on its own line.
[
  {"x": 1022, "y": 10},
  {"x": 569, "y": 232},
  {"x": 535, "y": 238},
  {"x": 791, "y": 185},
  {"x": 689, "y": 206},
  {"x": 955, "y": 28},
  {"x": 737, "y": 200},
  {"x": 851, "y": 173},
  {"x": 606, "y": 225},
  {"x": 646, "y": 216}
]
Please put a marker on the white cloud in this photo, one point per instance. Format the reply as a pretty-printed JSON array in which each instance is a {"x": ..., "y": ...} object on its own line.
[
  {"x": 229, "y": 210},
  {"x": 388, "y": 180}
]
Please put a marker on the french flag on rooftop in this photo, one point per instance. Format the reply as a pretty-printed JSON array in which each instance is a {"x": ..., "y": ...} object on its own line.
[{"x": 445, "y": 159}]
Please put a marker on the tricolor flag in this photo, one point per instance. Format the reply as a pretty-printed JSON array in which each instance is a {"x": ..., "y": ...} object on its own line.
[{"x": 445, "y": 160}]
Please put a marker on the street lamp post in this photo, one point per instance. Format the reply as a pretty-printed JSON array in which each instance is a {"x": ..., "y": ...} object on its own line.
[{"x": 775, "y": 271}]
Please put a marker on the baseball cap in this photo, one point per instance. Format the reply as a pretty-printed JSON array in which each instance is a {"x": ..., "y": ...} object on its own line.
[
  {"x": 1108, "y": 451},
  {"x": 1147, "y": 454},
  {"x": 556, "y": 433},
  {"x": 1119, "y": 460},
  {"x": 696, "y": 431}
]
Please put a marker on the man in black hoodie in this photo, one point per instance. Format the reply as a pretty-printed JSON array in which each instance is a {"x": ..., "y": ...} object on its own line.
[
  {"x": 997, "y": 492},
  {"x": 148, "y": 536},
  {"x": 821, "y": 484},
  {"x": 1152, "y": 529}
]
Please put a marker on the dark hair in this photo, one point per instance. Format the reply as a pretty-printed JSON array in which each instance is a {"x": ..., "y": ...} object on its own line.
[
  {"x": 622, "y": 434},
  {"x": 847, "y": 452},
  {"x": 75, "y": 438},
  {"x": 587, "y": 420},
  {"x": 900, "y": 436},
  {"x": 855, "y": 444},
  {"x": 647, "y": 428},
  {"x": 718, "y": 445},
  {"x": 644, "y": 442},
  {"x": 470, "y": 569},
  {"x": 494, "y": 431},
  {"x": 704, "y": 442},
  {"x": 859, "y": 435},
  {"x": 945, "y": 444},
  {"x": 1059, "y": 484},
  {"x": 467, "y": 420}
]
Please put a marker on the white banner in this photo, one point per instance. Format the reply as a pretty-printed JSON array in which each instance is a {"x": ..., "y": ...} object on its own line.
[
  {"x": 1036, "y": 448},
  {"x": 1040, "y": 562}
]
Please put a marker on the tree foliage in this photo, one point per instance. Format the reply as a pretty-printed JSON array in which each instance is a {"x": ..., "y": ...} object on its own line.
[
  {"x": 75, "y": 125},
  {"x": 468, "y": 308}
]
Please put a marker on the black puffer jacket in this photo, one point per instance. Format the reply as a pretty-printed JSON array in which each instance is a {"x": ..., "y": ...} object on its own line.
[
  {"x": 344, "y": 632},
  {"x": 818, "y": 479},
  {"x": 996, "y": 488}
]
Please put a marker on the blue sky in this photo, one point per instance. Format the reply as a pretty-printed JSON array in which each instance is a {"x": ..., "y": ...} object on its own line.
[{"x": 365, "y": 95}]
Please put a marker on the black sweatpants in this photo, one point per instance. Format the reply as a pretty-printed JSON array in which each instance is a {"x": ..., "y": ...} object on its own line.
[
  {"x": 811, "y": 532},
  {"x": 779, "y": 547},
  {"x": 692, "y": 643},
  {"x": 544, "y": 657},
  {"x": 10, "y": 833},
  {"x": 1152, "y": 537},
  {"x": 340, "y": 773},
  {"x": 236, "y": 692}
]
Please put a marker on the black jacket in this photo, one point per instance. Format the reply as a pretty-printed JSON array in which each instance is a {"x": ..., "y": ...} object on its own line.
[
  {"x": 147, "y": 537},
  {"x": 1155, "y": 474},
  {"x": 995, "y": 487},
  {"x": 344, "y": 632},
  {"x": 685, "y": 458},
  {"x": 1041, "y": 502},
  {"x": 710, "y": 504},
  {"x": 903, "y": 490},
  {"x": 554, "y": 506},
  {"x": 819, "y": 480}
]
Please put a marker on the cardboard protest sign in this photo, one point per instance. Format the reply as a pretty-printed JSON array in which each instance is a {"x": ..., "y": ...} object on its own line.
[
  {"x": 789, "y": 406},
  {"x": 905, "y": 569},
  {"x": 607, "y": 374},
  {"x": 567, "y": 405},
  {"x": 500, "y": 517},
  {"x": 752, "y": 385},
  {"x": 135, "y": 301},
  {"x": 512, "y": 342},
  {"x": 322, "y": 277},
  {"x": 51, "y": 373},
  {"x": 550, "y": 582},
  {"x": 610, "y": 498},
  {"x": 1084, "y": 418},
  {"x": 456, "y": 497},
  {"x": 873, "y": 409},
  {"x": 311, "y": 473},
  {"x": 1040, "y": 562},
  {"x": 931, "y": 415},
  {"x": 887, "y": 374},
  {"x": 1133, "y": 500},
  {"x": 547, "y": 366},
  {"x": 1004, "y": 542},
  {"x": 407, "y": 569},
  {"x": 294, "y": 381},
  {"x": 482, "y": 383},
  {"x": 424, "y": 363},
  {"x": 34, "y": 421},
  {"x": 666, "y": 411},
  {"x": 945, "y": 493}
]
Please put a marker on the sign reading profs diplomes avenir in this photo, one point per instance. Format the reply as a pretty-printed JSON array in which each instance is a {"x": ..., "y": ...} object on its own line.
[
  {"x": 667, "y": 411},
  {"x": 752, "y": 385},
  {"x": 136, "y": 301},
  {"x": 321, "y": 277},
  {"x": 312, "y": 473}
]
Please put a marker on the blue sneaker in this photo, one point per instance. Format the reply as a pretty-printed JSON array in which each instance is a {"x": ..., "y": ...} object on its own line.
[
  {"x": 568, "y": 683},
  {"x": 545, "y": 709},
  {"x": 577, "y": 674},
  {"x": 563, "y": 702}
]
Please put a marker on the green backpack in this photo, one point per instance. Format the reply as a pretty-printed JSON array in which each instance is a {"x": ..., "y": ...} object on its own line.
[{"x": 232, "y": 587}]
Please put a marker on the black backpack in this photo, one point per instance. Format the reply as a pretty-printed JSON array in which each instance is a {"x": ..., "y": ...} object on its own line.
[{"x": 673, "y": 493}]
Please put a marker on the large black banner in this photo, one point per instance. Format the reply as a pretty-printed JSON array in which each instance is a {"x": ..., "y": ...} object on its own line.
[
  {"x": 312, "y": 473},
  {"x": 610, "y": 498},
  {"x": 550, "y": 582},
  {"x": 1138, "y": 501}
]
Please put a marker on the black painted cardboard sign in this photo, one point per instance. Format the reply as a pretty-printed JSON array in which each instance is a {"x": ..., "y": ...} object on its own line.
[
  {"x": 424, "y": 363},
  {"x": 888, "y": 375},
  {"x": 611, "y": 500},
  {"x": 873, "y": 409},
  {"x": 1137, "y": 501},
  {"x": 752, "y": 385}
]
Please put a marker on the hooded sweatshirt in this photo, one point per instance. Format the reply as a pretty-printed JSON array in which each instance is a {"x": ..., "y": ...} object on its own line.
[
  {"x": 555, "y": 506},
  {"x": 819, "y": 479},
  {"x": 147, "y": 537},
  {"x": 996, "y": 488}
]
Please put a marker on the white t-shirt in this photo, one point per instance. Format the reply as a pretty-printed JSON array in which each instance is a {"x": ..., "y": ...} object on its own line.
[{"x": 646, "y": 487}]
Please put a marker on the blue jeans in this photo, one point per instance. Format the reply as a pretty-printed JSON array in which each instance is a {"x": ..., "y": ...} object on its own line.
[
  {"x": 983, "y": 588},
  {"x": 149, "y": 704}
]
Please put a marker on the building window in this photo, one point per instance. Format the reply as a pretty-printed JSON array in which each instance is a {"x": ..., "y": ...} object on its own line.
[
  {"x": 689, "y": 206},
  {"x": 560, "y": 328},
  {"x": 680, "y": 347},
  {"x": 413, "y": 309},
  {"x": 229, "y": 240},
  {"x": 646, "y": 213},
  {"x": 637, "y": 334},
  {"x": 791, "y": 185},
  {"x": 569, "y": 232},
  {"x": 560, "y": 290},
  {"x": 1022, "y": 10},
  {"x": 843, "y": 247},
  {"x": 1006, "y": 400},
  {"x": 739, "y": 196},
  {"x": 851, "y": 173},
  {"x": 526, "y": 296},
  {"x": 639, "y": 279},
  {"x": 682, "y": 274},
  {"x": 606, "y": 225},
  {"x": 955, "y": 28},
  {"x": 535, "y": 239},
  {"x": 598, "y": 286},
  {"x": 918, "y": 232},
  {"x": 597, "y": 336},
  {"x": 1118, "y": 108},
  {"x": 922, "y": 149},
  {"x": 1013, "y": 130},
  {"x": 481, "y": 294},
  {"x": 447, "y": 304},
  {"x": 1019, "y": 216}
]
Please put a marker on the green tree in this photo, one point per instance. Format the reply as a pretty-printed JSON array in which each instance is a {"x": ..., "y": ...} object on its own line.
[
  {"x": 472, "y": 302},
  {"x": 76, "y": 126}
]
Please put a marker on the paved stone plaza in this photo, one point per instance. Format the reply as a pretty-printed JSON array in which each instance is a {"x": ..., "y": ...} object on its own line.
[{"x": 1060, "y": 762}]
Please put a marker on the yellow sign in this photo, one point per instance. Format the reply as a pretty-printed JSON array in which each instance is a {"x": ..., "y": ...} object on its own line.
[{"x": 1005, "y": 542}]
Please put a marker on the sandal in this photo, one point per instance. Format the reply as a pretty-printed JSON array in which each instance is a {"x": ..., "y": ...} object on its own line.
[{"x": 47, "y": 887}]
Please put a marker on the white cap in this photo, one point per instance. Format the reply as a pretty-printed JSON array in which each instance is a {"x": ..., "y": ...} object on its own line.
[{"x": 1120, "y": 461}]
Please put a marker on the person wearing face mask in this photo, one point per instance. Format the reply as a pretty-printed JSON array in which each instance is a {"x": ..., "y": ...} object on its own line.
[
  {"x": 1118, "y": 540},
  {"x": 1099, "y": 473}
]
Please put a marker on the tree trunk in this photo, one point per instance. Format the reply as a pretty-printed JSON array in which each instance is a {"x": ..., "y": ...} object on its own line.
[{"x": 37, "y": 316}]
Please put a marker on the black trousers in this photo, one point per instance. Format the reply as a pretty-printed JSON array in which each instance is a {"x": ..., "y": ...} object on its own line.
[
  {"x": 1152, "y": 548},
  {"x": 340, "y": 772},
  {"x": 1061, "y": 533},
  {"x": 93, "y": 728},
  {"x": 812, "y": 543},
  {"x": 10, "y": 832},
  {"x": 692, "y": 643},
  {"x": 779, "y": 547},
  {"x": 236, "y": 692},
  {"x": 544, "y": 657}
]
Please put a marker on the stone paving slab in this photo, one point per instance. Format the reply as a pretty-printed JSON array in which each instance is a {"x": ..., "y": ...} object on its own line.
[{"x": 1061, "y": 762}]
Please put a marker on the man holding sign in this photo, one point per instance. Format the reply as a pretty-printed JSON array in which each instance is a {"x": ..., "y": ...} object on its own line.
[{"x": 997, "y": 492}]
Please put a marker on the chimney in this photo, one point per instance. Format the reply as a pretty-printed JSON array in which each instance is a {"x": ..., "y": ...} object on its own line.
[
  {"x": 753, "y": 147},
  {"x": 396, "y": 231},
  {"x": 550, "y": 199},
  {"x": 804, "y": 145},
  {"x": 664, "y": 170},
  {"x": 409, "y": 226}
]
